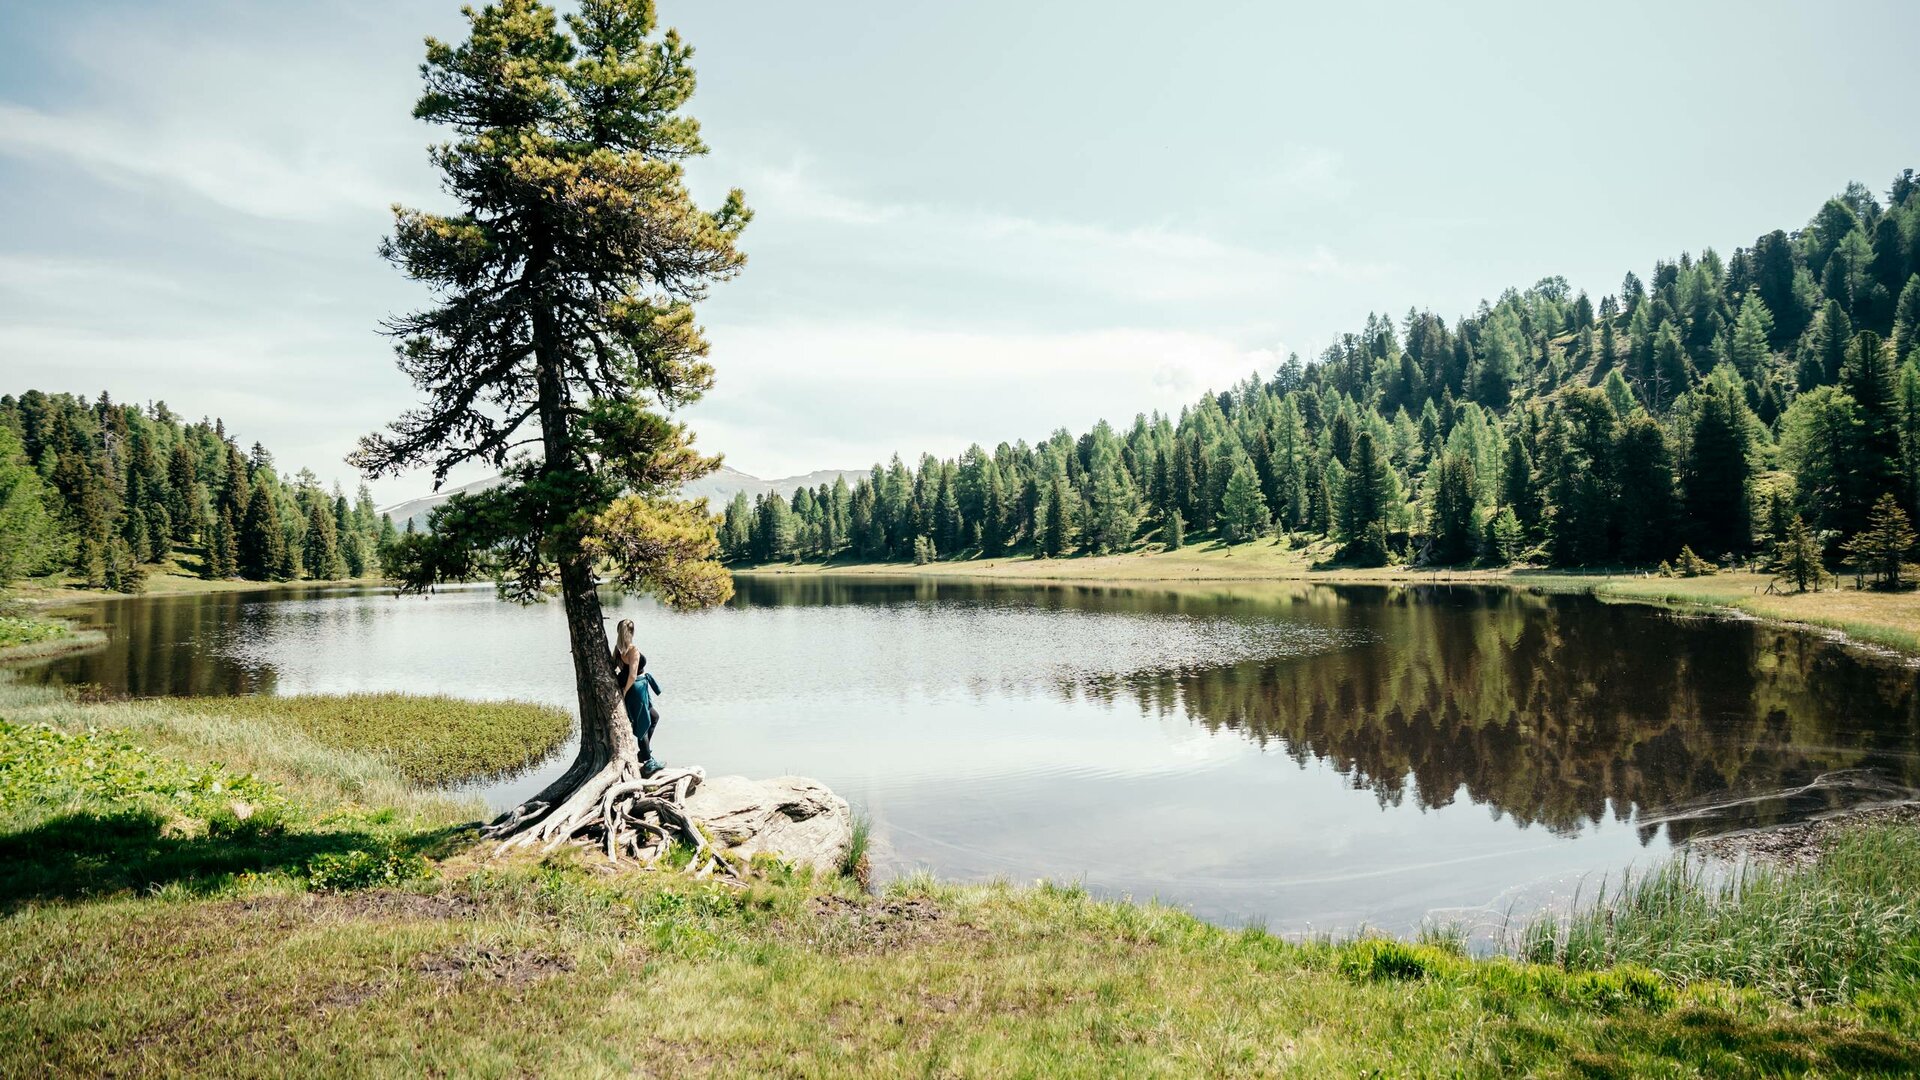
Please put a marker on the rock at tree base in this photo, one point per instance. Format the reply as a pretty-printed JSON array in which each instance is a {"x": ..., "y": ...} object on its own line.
[{"x": 791, "y": 817}]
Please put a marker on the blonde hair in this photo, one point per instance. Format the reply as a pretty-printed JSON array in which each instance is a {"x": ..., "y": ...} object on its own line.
[{"x": 622, "y": 639}]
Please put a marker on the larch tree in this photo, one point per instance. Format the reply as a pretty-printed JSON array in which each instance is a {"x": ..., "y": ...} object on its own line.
[
  {"x": 563, "y": 320},
  {"x": 1243, "y": 509}
]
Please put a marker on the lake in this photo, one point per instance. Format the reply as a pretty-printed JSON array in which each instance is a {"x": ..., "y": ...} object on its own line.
[{"x": 1307, "y": 757}]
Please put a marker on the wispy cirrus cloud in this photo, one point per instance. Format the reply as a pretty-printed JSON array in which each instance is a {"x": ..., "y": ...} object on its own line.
[
  {"x": 230, "y": 171},
  {"x": 1152, "y": 263}
]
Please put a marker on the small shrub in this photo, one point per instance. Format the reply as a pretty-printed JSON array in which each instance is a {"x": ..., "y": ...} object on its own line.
[
  {"x": 243, "y": 822},
  {"x": 350, "y": 871}
]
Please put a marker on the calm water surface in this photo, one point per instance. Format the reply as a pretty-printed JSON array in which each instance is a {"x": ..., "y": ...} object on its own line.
[{"x": 1304, "y": 756}]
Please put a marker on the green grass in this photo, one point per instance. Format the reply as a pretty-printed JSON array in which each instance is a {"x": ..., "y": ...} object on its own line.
[
  {"x": 1848, "y": 926},
  {"x": 855, "y": 864},
  {"x": 178, "y": 574},
  {"x": 147, "y": 927},
  {"x": 92, "y": 814},
  {"x": 246, "y": 740},
  {"x": 1891, "y": 620},
  {"x": 555, "y": 969},
  {"x": 17, "y": 630},
  {"x": 1888, "y": 619},
  {"x": 431, "y": 740},
  {"x": 24, "y": 637}
]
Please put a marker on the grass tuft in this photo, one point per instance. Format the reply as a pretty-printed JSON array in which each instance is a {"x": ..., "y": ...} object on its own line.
[
  {"x": 1819, "y": 935},
  {"x": 856, "y": 864}
]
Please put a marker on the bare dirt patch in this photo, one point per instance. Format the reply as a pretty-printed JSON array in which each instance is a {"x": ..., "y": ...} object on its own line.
[
  {"x": 864, "y": 925},
  {"x": 511, "y": 967},
  {"x": 1801, "y": 844}
]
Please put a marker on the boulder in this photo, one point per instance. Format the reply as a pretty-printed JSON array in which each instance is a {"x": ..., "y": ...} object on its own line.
[{"x": 791, "y": 817}]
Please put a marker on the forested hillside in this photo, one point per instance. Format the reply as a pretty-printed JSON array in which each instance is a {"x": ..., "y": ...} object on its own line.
[
  {"x": 106, "y": 491},
  {"x": 1705, "y": 405}
]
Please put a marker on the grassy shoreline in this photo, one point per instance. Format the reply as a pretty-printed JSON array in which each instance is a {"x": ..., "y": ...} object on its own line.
[
  {"x": 1884, "y": 620},
  {"x": 25, "y": 638},
  {"x": 43, "y": 593},
  {"x": 148, "y": 927}
]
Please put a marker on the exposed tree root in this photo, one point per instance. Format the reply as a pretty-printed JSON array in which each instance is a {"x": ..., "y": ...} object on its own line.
[{"x": 625, "y": 815}]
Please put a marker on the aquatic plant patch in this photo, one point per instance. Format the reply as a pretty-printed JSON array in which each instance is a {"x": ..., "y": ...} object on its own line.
[
  {"x": 433, "y": 740},
  {"x": 18, "y": 630}
]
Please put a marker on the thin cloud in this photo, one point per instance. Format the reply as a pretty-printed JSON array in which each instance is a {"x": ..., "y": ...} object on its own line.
[
  {"x": 797, "y": 394},
  {"x": 1312, "y": 170},
  {"x": 234, "y": 173},
  {"x": 1147, "y": 263}
]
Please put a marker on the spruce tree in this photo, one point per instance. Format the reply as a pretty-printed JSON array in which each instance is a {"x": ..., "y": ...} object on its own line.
[
  {"x": 1450, "y": 522},
  {"x": 1173, "y": 531},
  {"x": 384, "y": 543},
  {"x": 993, "y": 513},
  {"x": 222, "y": 549},
  {"x": 1881, "y": 548},
  {"x": 1519, "y": 489},
  {"x": 1868, "y": 378},
  {"x": 262, "y": 544},
  {"x": 322, "y": 556},
  {"x": 1645, "y": 490},
  {"x": 1796, "y": 558},
  {"x": 947, "y": 519},
  {"x": 1363, "y": 511},
  {"x": 1113, "y": 512},
  {"x": 183, "y": 500},
  {"x": 564, "y": 287},
  {"x": 1830, "y": 338},
  {"x": 1672, "y": 370},
  {"x": 1058, "y": 529},
  {"x": 1907, "y": 419},
  {"x": 1906, "y": 319},
  {"x": 1718, "y": 476}
]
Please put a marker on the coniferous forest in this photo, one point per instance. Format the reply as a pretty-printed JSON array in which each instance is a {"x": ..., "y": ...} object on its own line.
[
  {"x": 107, "y": 491},
  {"x": 1765, "y": 403}
]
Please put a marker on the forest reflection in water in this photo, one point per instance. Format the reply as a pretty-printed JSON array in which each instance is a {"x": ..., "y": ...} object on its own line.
[
  {"x": 1556, "y": 709},
  {"x": 1297, "y": 753}
]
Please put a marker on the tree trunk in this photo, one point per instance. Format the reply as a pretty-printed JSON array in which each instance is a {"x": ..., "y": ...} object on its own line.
[{"x": 602, "y": 796}]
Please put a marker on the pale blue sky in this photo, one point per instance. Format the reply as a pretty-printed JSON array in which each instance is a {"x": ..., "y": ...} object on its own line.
[{"x": 975, "y": 221}]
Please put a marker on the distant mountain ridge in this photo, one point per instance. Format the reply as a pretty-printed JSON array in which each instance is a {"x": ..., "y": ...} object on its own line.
[{"x": 718, "y": 488}]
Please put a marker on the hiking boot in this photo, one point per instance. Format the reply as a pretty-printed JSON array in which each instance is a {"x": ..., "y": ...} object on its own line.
[{"x": 651, "y": 766}]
